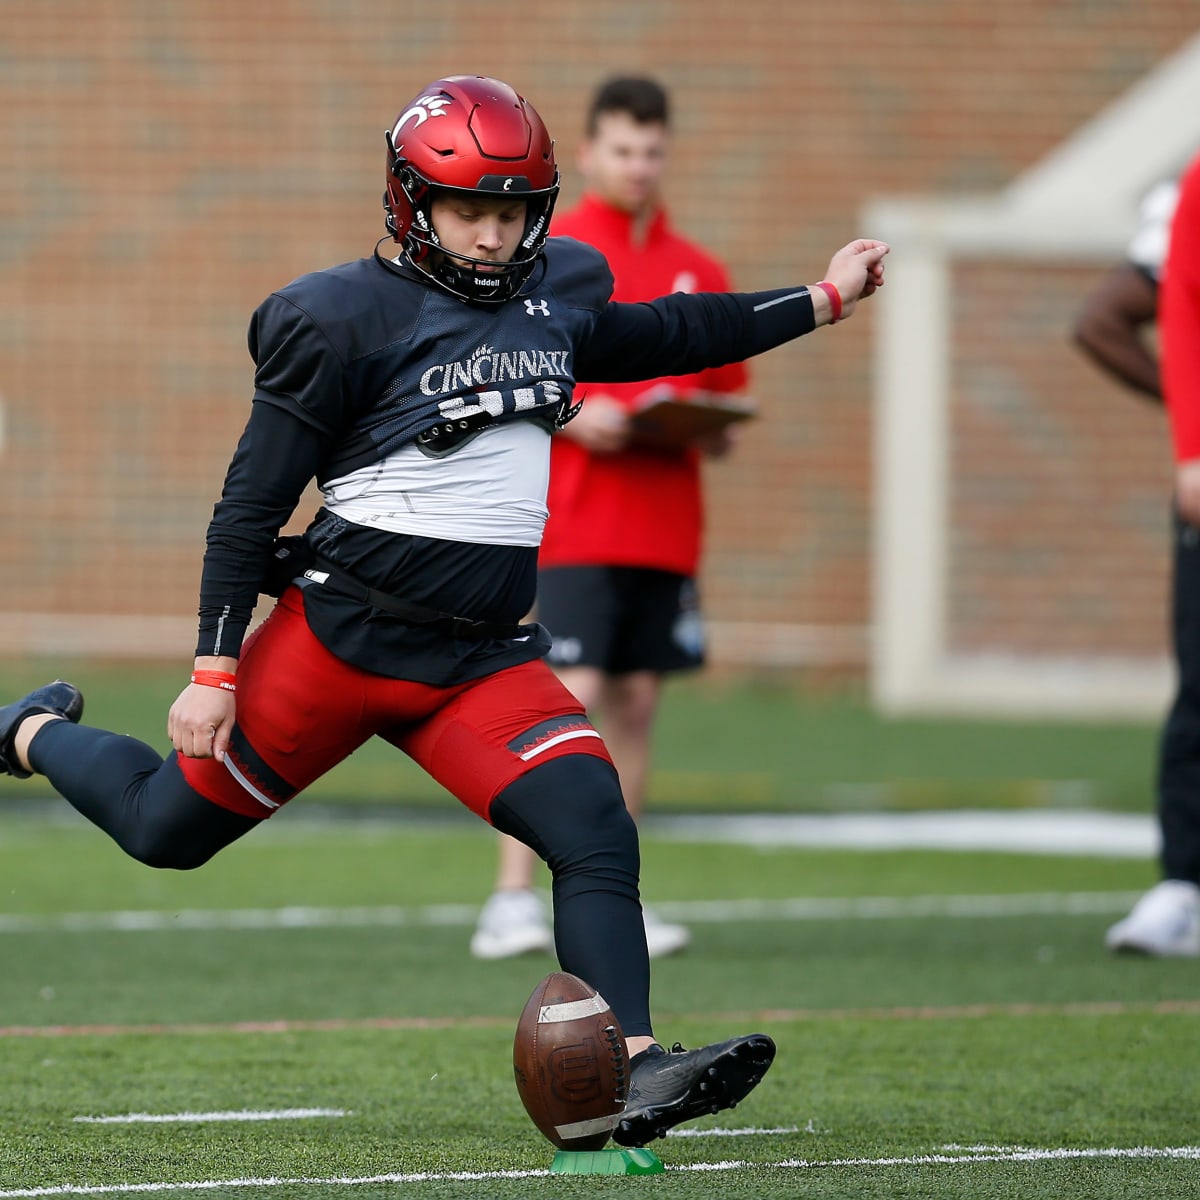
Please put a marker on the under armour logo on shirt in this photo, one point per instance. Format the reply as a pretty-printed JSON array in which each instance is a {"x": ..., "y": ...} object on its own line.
[{"x": 541, "y": 308}]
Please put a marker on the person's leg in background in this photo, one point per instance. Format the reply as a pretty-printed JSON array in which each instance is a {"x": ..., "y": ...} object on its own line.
[{"x": 1165, "y": 922}]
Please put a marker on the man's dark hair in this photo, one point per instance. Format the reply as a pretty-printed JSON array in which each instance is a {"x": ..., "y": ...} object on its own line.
[{"x": 643, "y": 99}]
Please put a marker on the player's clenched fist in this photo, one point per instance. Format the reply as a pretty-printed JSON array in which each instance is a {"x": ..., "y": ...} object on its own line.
[{"x": 855, "y": 271}]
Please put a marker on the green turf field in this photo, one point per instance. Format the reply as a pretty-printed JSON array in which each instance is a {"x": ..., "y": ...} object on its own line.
[
  {"x": 321, "y": 968},
  {"x": 765, "y": 746}
]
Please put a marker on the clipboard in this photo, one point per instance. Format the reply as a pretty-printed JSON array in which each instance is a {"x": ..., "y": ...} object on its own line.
[{"x": 671, "y": 421}]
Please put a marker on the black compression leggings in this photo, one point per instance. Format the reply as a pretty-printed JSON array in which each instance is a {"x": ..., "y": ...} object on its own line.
[
  {"x": 139, "y": 799},
  {"x": 569, "y": 810}
]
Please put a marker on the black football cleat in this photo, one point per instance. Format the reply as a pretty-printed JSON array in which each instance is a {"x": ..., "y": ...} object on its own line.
[
  {"x": 666, "y": 1088},
  {"x": 61, "y": 699}
]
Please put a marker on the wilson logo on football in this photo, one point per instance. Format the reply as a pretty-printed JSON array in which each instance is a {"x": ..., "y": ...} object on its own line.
[{"x": 574, "y": 1075}]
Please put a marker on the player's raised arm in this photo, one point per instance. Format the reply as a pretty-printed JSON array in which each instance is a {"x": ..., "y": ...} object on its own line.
[{"x": 681, "y": 334}]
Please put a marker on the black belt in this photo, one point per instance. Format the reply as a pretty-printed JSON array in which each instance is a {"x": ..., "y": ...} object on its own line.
[{"x": 327, "y": 575}]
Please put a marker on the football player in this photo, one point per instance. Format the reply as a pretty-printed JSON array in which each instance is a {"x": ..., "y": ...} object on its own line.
[{"x": 421, "y": 391}]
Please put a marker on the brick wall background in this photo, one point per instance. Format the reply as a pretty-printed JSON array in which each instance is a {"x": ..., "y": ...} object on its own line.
[
  {"x": 166, "y": 165},
  {"x": 1060, "y": 486}
]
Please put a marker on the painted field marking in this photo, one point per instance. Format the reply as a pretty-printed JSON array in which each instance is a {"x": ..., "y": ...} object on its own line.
[
  {"x": 1070, "y": 832},
  {"x": 703, "y": 1133},
  {"x": 1086, "y": 832},
  {"x": 788, "y": 1164},
  {"x": 270, "y": 1114},
  {"x": 801, "y": 908},
  {"x": 1056, "y": 1155},
  {"x": 777, "y": 1016}
]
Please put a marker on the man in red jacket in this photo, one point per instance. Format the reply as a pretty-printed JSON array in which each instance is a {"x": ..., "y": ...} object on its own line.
[{"x": 617, "y": 576}]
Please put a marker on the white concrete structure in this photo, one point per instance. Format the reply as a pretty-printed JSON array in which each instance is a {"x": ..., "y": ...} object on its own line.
[{"x": 1071, "y": 207}]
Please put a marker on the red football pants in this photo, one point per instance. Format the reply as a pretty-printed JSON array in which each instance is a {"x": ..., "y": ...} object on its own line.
[{"x": 301, "y": 711}]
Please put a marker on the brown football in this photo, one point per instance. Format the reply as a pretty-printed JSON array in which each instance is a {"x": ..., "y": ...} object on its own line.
[{"x": 570, "y": 1062}]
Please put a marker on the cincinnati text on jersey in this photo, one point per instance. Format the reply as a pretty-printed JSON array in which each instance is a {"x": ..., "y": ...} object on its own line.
[{"x": 486, "y": 366}]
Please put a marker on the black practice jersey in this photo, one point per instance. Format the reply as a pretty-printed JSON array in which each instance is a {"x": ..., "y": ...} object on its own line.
[{"x": 392, "y": 394}]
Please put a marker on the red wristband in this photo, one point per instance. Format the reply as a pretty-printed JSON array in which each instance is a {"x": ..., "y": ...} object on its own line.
[
  {"x": 835, "y": 300},
  {"x": 224, "y": 680}
]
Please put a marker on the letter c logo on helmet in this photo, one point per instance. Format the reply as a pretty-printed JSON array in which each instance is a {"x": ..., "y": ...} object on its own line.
[{"x": 486, "y": 140}]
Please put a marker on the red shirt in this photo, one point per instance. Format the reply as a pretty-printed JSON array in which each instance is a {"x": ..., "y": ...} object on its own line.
[
  {"x": 633, "y": 508},
  {"x": 1179, "y": 319}
]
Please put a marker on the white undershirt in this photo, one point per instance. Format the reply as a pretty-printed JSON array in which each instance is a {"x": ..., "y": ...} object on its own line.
[{"x": 492, "y": 490}]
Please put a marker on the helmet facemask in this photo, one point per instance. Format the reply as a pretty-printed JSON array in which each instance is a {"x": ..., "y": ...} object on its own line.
[{"x": 482, "y": 281}]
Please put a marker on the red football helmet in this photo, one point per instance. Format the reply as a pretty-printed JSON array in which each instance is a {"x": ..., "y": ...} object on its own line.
[{"x": 469, "y": 133}]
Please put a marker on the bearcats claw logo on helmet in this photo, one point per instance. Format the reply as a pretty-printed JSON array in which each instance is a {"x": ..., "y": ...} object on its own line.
[
  {"x": 468, "y": 133},
  {"x": 423, "y": 108}
]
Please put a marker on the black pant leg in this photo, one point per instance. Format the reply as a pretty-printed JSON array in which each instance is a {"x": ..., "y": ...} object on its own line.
[
  {"x": 1179, "y": 751},
  {"x": 139, "y": 799},
  {"x": 571, "y": 812}
]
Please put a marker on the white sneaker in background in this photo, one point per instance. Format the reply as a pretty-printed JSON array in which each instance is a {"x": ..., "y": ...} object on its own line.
[
  {"x": 663, "y": 938},
  {"x": 1165, "y": 923},
  {"x": 512, "y": 923}
]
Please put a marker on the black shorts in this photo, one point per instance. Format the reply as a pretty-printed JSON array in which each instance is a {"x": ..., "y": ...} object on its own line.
[{"x": 621, "y": 619}]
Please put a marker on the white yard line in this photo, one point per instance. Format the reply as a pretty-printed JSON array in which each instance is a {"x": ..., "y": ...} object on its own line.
[
  {"x": 1073, "y": 832},
  {"x": 1016, "y": 1155},
  {"x": 288, "y": 917},
  {"x": 707, "y": 1133},
  {"x": 268, "y": 1114},
  {"x": 790, "y": 1164},
  {"x": 801, "y": 908},
  {"x": 1084, "y": 832}
]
